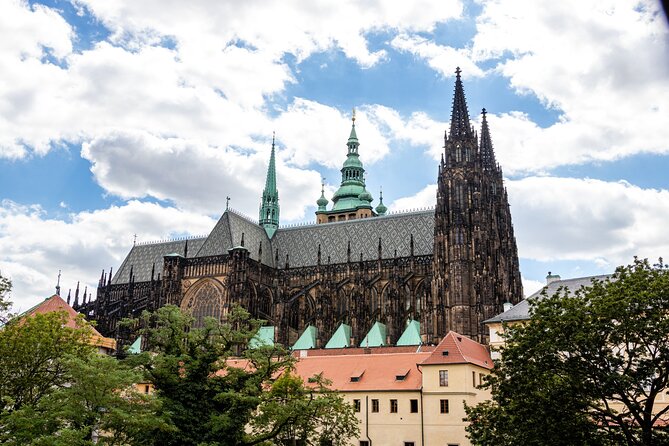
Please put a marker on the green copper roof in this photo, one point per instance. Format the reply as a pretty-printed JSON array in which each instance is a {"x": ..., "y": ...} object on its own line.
[
  {"x": 307, "y": 340},
  {"x": 136, "y": 347},
  {"x": 381, "y": 209},
  {"x": 376, "y": 337},
  {"x": 341, "y": 337},
  {"x": 322, "y": 202},
  {"x": 269, "y": 206},
  {"x": 411, "y": 335},
  {"x": 264, "y": 337}
]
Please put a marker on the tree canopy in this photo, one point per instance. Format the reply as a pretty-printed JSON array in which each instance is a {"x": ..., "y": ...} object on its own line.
[
  {"x": 5, "y": 304},
  {"x": 216, "y": 393},
  {"x": 587, "y": 368}
]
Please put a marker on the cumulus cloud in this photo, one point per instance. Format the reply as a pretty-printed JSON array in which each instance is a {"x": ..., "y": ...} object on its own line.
[
  {"x": 612, "y": 96},
  {"x": 579, "y": 219},
  {"x": 193, "y": 175},
  {"x": 441, "y": 58},
  {"x": 573, "y": 219},
  {"x": 34, "y": 247}
]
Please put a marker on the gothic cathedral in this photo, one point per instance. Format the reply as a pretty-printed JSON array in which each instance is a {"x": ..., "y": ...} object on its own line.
[{"x": 358, "y": 276}]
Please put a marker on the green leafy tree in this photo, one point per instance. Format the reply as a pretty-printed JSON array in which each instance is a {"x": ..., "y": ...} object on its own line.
[
  {"x": 297, "y": 414},
  {"x": 100, "y": 405},
  {"x": 5, "y": 304},
  {"x": 32, "y": 357},
  {"x": 213, "y": 397},
  {"x": 587, "y": 368}
]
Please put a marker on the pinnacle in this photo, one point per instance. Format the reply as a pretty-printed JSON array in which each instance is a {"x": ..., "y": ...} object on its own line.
[
  {"x": 460, "y": 126},
  {"x": 486, "y": 149}
]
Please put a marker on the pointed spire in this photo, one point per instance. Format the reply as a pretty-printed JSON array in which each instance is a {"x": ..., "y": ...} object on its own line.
[
  {"x": 487, "y": 152},
  {"x": 69, "y": 295},
  {"x": 85, "y": 293},
  {"x": 269, "y": 206},
  {"x": 322, "y": 202},
  {"x": 58, "y": 285},
  {"x": 76, "y": 297},
  {"x": 381, "y": 209},
  {"x": 353, "y": 137},
  {"x": 460, "y": 126}
]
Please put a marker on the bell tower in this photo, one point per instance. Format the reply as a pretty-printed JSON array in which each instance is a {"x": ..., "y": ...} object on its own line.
[{"x": 475, "y": 259}]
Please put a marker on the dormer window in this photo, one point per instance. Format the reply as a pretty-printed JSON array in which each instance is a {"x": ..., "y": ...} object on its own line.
[
  {"x": 401, "y": 375},
  {"x": 356, "y": 376}
]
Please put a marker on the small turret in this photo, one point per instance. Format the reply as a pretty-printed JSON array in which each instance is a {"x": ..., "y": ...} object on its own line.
[
  {"x": 322, "y": 202},
  {"x": 381, "y": 209}
]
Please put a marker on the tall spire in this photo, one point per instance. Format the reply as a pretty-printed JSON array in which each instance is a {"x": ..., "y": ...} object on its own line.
[
  {"x": 58, "y": 285},
  {"x": 487, "y": 152},
  {"x": 269, "y": 207},
  {"x": 460, "y": 127}
]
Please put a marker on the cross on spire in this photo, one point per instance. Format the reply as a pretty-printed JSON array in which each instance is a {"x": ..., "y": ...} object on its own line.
[{"x": 460, "y": 127}]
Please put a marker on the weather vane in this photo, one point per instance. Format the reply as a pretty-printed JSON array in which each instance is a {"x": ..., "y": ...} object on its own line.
[{"x": 227, "y": 203}]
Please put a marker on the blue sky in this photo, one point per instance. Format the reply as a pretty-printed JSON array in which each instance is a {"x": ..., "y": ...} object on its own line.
[{"x": 123, "y": 118}]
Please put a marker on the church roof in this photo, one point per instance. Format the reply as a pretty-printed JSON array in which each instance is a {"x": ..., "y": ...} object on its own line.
[
  {"x": 228, "y": 233},
  {"x": 395, "y": 230},
  {"x": 521, "y": 311},
  {"x": 300, "y": 243},
  {"x": 141, "y": 258}
]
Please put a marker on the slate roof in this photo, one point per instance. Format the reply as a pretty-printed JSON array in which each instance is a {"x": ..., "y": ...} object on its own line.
[
  {"x": 395, "y": 230},
  {"x": 228, "y": 233},
  {"x": 521, "y": 311},
  {"x": 300, "y": 243},
  {"x": 142, "y": 257}
]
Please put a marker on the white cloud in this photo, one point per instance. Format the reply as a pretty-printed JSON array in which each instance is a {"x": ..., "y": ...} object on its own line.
[
  {"x": 579, "y": 219},
  {"x": 583, "y": 219},
  {"x": 603, "y": 65},
  {"x": 195, "y": 176},
  {"x": 276, "y": 27},
  {"x": 531, "y": 286},
  {"x": 441, "y": 58},
  {"x": 34, "y": 246},
  {"x": 425, "y": 198}
]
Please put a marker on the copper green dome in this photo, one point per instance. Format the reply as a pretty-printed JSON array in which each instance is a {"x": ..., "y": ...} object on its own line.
[
  {"x": 381, "y": 209},
  {"x": 365, "y": 196},
  {"x": 322, "y": 202},
  {"x": 351, "y": 193}
]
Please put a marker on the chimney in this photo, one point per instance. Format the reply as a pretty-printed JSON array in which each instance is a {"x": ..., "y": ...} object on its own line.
[
  {"x": 550, "y": 278},
  {"x": 507, "y": 306}
]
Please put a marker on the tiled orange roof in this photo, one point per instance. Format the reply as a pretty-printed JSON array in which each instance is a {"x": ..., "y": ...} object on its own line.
[
  {"x": 351, "y": 369},
  {"x": 56, "y": 303},
  {"x": 362, "y": 350},
  {"x": 458, "y": 349},
  {"x": 369, "y": 371}
]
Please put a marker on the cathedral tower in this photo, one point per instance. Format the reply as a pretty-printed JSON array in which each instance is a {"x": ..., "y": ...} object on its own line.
[
  {"x": 352, "y": 200},
  {"x": 269, "y": 207},
  {"x": 475, "y": 259}
]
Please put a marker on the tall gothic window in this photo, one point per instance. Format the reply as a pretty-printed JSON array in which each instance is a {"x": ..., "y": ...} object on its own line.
[{"x": 207, "y": 302}]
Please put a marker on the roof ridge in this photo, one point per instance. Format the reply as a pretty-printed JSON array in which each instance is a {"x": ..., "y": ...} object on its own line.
[
  {"x": 242, "y": 215},
  {"x": 391, "y": 214},
  {"x": 170, "y": 240}
]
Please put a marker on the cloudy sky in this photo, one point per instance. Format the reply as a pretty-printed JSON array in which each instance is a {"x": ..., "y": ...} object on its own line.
[{"x": 133, "y": 117}]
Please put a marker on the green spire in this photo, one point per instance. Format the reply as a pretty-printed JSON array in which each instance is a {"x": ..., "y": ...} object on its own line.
[
  {"x": 352, "y": 178},
  {"x": 381, "y": 209},
  {"x": 322, "y": 202},
  {"x": 269, "y": 207}
]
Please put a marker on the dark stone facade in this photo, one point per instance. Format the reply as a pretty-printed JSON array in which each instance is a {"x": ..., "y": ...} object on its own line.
[{"x": 450, "y": 268}]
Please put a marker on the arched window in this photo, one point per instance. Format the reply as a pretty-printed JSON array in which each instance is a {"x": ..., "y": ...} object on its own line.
[{"x": 206, "y": 302}]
